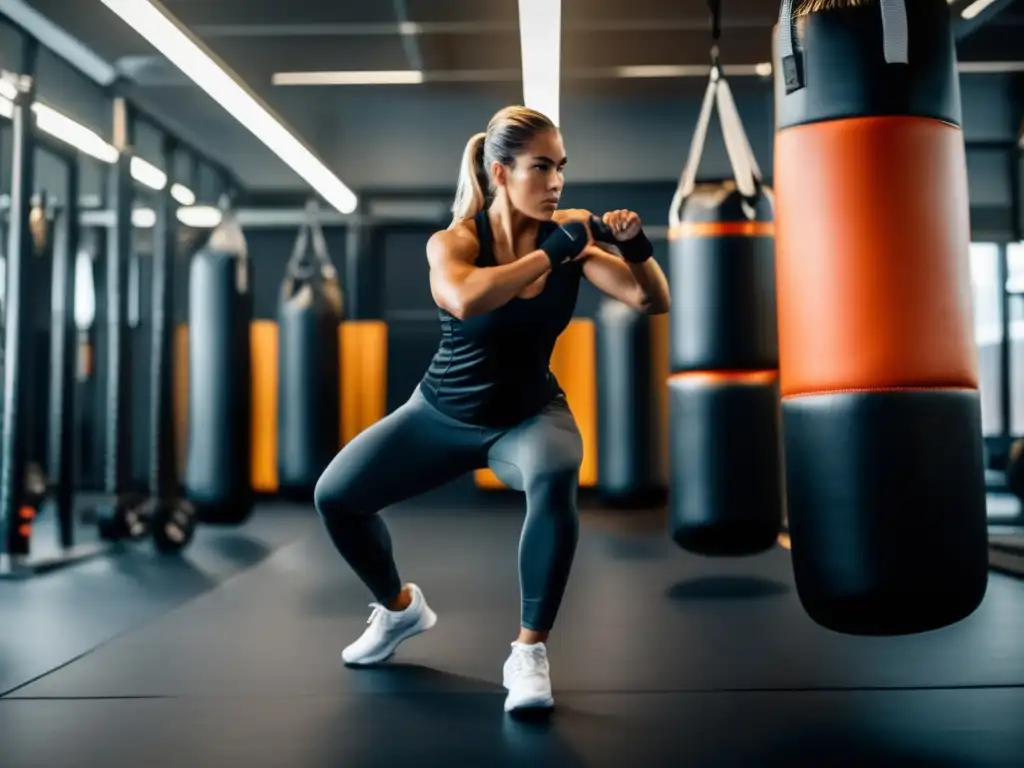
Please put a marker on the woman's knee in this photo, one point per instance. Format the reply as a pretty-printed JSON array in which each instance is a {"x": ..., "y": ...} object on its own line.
[
  {"x": 332, "y": 494},
  {"x": 554, "y": 488}
]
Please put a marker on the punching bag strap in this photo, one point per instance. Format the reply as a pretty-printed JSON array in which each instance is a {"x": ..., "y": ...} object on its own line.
[
  {"x": 745, "y": 169},
  {"x": 741, "y": 155},
  {"x": 688, "y": 179},
  {"x": 895, "y": 35},
  {"x": 792, "y": 64},
  {"x": 298, "y": 266}
]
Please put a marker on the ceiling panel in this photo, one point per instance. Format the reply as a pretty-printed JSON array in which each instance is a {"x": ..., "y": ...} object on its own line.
[
  {"x": 277, "y": 12},
  {"x": 275, "y": 54},
  {"x": 689, "y": 10},
  {"x": 95, "y": 25},
  {"x": 461, "y": 52},
  {"x": 259, "y": 37},
  {"x": 605, "y": 49},
  {"x": 460, "y": 10}
]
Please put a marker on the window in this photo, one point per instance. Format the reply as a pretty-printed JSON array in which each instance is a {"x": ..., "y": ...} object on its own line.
[
  {"x": 1015, "y": 284},
  {"x": 988, "y": 332}
]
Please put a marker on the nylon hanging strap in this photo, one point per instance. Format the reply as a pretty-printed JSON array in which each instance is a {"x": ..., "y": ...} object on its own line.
[
  {"x": 895, "y": 40},
  {"x": 298, "y": 265},
  {"x": 745, "y": 169}
]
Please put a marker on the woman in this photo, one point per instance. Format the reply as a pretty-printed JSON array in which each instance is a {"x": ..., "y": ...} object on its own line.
[{"x": 505, "y": 277}]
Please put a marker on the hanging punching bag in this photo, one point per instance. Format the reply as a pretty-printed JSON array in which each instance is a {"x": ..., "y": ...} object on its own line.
[
  {"x": 631, "y": 371},
  {"x": 725, "y": 492},
  {"x": 218, "y": 470},
  {"x": 879, "y": 377},
  {"x": 308, "y": 404}
]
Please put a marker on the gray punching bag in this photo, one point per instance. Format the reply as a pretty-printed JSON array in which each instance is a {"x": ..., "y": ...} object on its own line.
[
  {"x": 218, "y": 471},
  {"x": 726, "y": 486},
  {"x": 308, "y": 400}
]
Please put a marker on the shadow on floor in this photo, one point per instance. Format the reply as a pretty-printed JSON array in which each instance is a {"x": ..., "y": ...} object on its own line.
[{"x": 726, "y": 588}]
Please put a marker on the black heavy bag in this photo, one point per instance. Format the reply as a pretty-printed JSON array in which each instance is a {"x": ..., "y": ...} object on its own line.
[
  {"x": 725, "y": 486},
  {"x": 630, "y": 406},
  {"x": 309, "y": 379},
  {"x": 218, "y": 469}
]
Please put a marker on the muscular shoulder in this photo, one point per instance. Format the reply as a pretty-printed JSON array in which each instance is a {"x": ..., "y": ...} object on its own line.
[{"x": 460, "y": 243}]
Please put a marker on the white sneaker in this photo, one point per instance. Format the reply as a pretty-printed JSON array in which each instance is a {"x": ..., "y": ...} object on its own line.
[
  {"x": 527, "y": 678},
  {"x": 388, "y": 629}
]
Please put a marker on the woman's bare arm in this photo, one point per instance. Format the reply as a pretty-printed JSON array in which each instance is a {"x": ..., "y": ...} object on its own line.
[{"x": 464, "y": 289}]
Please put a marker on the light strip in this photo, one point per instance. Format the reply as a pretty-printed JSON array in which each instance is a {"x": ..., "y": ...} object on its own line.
[
  {"x": 200, "y": 216},
  {"x": 975, "y": 8},
  {"x": 90, "y": 143},
  {"x": 153, "y": 22},
  {"x": 146, "y": 173},
  {"x": 395, "y": 77},
  {"x": 183, "y": 194},
  {"x": 540, "y": 43}
]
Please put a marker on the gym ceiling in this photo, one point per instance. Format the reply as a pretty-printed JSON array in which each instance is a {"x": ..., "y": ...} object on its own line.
[{"x": 463, "y": 49}]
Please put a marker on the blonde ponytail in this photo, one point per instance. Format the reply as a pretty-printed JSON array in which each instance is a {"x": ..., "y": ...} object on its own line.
[{"x": 470, "y": 194}]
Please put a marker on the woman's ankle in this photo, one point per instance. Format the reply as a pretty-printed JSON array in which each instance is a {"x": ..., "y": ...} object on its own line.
[
  {"x": 401, "y": 602},
  {"x": 532, "y": 636}
]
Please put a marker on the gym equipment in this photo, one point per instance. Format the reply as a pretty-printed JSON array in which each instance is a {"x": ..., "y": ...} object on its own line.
[
  {"x": 885, "y": 481},
  {"x": 632, "y": 364},
  {"x": 1015, "y": 469},
  {"x": 725, "y": 478},
  {"x": 40, "y": 317},
  {"x": 308, "y": 404},
  {"x": 217, "y": 474},
  {"x": 172, "y": 519},
  {"x": 18, "y": 505},
  {"x": 122, "y": 514},
  {"x": 1006, "y": 554},
  {"x": 61, "y": 442},
  {"x": 24, "y": 485}
]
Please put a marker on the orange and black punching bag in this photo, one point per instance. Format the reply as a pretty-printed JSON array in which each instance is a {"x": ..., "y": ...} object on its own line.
[
  {"x": 881, "y": 413},
  {"x": 725, "y": 496},
  {"x": 725, "y": 481}
]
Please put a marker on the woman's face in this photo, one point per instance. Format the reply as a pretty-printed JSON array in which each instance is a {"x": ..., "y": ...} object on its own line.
[{"x": 534, "y": 182}]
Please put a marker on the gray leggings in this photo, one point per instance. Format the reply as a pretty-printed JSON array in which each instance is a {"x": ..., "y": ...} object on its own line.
[{"x": 418, "y": 448}]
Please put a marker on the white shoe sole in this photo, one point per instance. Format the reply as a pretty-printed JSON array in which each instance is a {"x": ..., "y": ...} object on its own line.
[
  {"x": 534, "y": 703},
  {"x": 427, "y": 620}
]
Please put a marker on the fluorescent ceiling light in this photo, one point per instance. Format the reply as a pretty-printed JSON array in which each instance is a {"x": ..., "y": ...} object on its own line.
[
  {"x": 150, "y": 20},
  {"x": 143, "y": 218},
  {"x": 975, "y": 8},
  {"x": 183, "y": 194},
  {"x": 540, "y": 42},
  {"x": 85, "y": 140},
  {"x": 686, "y": 70},
  {"x": 200, "y": 216},
  {"x": 147, "y": 173},
  {"x": 395, "y": 77},
  {"x": 662, "y": 70},
  {"x": 90, "y": 143}
]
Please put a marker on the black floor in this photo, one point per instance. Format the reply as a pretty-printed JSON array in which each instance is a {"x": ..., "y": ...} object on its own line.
[{"x": 660, "y": 658}]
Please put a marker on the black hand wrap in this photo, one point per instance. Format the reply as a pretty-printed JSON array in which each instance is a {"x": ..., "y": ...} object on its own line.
[
  {"x": 565, "y": 243},
  {"x": 636, "y": 250}
]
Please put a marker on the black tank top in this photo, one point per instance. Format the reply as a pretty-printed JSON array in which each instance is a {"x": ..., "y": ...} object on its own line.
[{"x": 493, "y": 369}]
